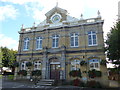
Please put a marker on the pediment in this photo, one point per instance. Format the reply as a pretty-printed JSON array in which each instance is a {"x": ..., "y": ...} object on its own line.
[{"x": 56, "y": 9}]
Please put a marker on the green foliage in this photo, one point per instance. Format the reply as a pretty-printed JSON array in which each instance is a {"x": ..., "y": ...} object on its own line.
[
  {"x": 0, "y": 57},
  {"x": 10, "y": 77},
  {"x": 16, "y": 64},
  {"x": 28, "y": 64},
  {"x": 94, "y": 73},
  {"x": 8, "y": 57},
  {"x": 103, "y": 62},
  {"x": 36, "y": 73},
  {"x": 83, "y": 63},
  {"x": 113, "y": 43},
  {"x": 114, "y": 70},
  {"x": 22, "y": 72},
  {"x": 0, "y": 76},
  {"x": 75, "y": 73}
]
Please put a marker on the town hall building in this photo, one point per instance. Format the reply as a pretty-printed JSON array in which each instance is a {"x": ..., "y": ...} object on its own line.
[{"x": 60, "y": 43}]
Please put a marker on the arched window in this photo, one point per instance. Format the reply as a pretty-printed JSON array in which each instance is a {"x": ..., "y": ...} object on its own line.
[
  {"x": 55, "y": 41},
  {"x": 74, "y": 39},
  {"x": 37, "y": 65},
  {"x": 94, "y": 64},
  {"x": 39, "y": 43},
  {"x": 92, "y": 38},
  {"x": 26, "y": 43},
  {"x": 75, "y": 64}
]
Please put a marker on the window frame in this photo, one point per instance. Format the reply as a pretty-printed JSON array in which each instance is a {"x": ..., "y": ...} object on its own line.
[
  {"x": 91, "y": 34},
  {"x": 75, "y": 63},
  {"x": 94, "y": 64},
  {"x": 39, "y": 41},
  {"x": 26, "y": 44},
  {"x": 55, "y": 41},
  {"x": 38, "y": 65},
  {"x": 23, "y": 63},
  {"x": 73, "y": 42}
]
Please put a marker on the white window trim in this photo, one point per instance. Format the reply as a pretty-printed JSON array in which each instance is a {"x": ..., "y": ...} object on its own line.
[
  {"x": 40, "y": 39},
  {"x": 94, "y": 65},
  {"x": 75, "y": 63},
  {"x": 74, "y": 39},
  {"x": 23, "y": 68},
  {"x": 55, "y": 37},
  {"x": 92, "y": 39},
  {"x": 25, "y": 44},
  {"x": 55, "y": 15},
  {"x": 38, "y": 65}
]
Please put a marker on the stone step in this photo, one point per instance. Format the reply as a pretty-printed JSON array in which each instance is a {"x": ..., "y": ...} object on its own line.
[{"x": 46, "y": 82}]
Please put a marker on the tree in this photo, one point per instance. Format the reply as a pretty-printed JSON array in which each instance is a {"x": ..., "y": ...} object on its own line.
[
  {"x": 8, "y": 57},
  {"x": 113, "y": 45},
  {"x": 0, "y": 61}
]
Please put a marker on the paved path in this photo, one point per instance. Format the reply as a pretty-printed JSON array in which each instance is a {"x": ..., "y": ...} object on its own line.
[{"x": 27, "y": 84}]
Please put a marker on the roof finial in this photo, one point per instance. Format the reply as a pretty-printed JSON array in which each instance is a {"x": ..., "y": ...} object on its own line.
[
  {"x": 22, "y": 26},
  {"x": 34, "y": 24},
  {"x": 81, "y": 16},
  {"x": 57, "y": 3},
  {"x": 99, "y": 16}
]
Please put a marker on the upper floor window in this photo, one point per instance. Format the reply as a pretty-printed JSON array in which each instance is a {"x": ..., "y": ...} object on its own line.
[
  {"x": 74, "y": 40},
  {"x": 92, "y": 38},
  {"x": 94, "y": 64},
  {"x": 55, "y": 41},
  {"x": 26, "y": 43},
  {"x": 39, "y": 43}
]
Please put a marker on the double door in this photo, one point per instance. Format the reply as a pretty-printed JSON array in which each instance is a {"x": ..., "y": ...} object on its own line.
[{"x": 55, "y": 71}]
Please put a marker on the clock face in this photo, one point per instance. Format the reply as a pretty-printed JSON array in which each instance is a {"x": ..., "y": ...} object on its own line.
[{"x": 56, "y": 18}]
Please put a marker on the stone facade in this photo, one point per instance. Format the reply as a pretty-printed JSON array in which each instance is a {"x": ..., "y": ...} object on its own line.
[{"x": 57, "y": 61}]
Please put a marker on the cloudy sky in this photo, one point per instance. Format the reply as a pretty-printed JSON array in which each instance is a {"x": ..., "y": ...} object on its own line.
[{"x": 14, "y": 13}]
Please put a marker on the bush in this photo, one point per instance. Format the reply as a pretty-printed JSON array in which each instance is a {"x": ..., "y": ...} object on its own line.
[
  {"x": 16, "y": 64},
  {"x": 28, "y": 64},
  {"x": 75, "y": 73},
  {"x": 76, "y": 82},
  {"x": 103, "y": 62},
  {"x": 36, "y": 73},
  {"x": 22, "y": 72},
  {"x": 93, "y": 73},
  {"x": 93, "y": 84},
  {"x": 81, "y": 84},
  {"x": 83, "y": 63}
]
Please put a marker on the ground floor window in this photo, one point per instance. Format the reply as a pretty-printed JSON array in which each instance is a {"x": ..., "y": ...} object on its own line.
[
  {"x": 75, "y": 64},
  {"x": 94, "y": 64},
  {"x": 37, "y": 65},
  {"x": 23, "y": 65}
]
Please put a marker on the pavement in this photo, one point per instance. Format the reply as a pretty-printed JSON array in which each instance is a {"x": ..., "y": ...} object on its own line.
[{"x": 26, "y": 84}]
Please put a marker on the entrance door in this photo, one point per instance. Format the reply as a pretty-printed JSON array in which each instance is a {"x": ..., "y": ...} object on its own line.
[{"x": 55, "y": 71}]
